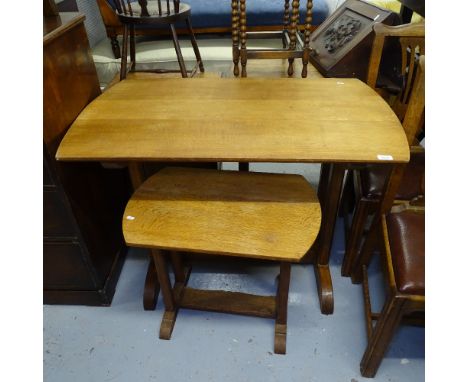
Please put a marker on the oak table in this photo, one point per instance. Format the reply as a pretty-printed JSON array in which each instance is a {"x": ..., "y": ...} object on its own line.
[{"x": 336, "y": 122}]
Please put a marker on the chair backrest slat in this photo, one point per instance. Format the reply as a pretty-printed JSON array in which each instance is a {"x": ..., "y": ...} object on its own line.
[
  {"x": 411, "y": 38},
  {"x": 416, "y": 104},
  {"x": 127, "y": 10}
]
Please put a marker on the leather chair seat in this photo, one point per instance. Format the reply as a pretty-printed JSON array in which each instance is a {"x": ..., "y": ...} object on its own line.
[
  {"x": 373, "y": 179},
  {"x": 406, "y": 238}
]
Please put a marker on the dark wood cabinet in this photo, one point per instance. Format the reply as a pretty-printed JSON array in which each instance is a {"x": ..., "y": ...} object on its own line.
[{"x": 83, "y": 203}]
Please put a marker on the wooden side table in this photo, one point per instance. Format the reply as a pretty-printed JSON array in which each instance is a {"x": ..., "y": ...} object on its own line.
[
  {"x": 293, "y": 45},
  {"x": 273, "y": 217}
]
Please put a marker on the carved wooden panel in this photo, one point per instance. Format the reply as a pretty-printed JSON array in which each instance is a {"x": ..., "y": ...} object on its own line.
[{"x": 340, "y": 46}]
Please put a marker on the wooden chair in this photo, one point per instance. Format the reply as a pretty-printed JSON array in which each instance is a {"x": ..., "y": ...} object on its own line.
[
  {"x": 252, "y": 215},
  {"x": 155, "y": 13},
  {"x": 402, "y": 250},
  {"x": 363, "y": 186},
  {"x": 293, "y": 45}
]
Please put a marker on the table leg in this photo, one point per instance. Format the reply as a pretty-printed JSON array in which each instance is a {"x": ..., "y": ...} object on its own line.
[
  {"x": 331, "y": 179},
  {"x": 151, "y": 289},
  {"x": 282, "y": 308},
  {"x": 388, "y": 196},
  {"x": 170, "y": 313}
]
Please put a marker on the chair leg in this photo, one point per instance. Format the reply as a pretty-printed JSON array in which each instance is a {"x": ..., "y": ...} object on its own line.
[
  {"x": 286, "y": 19},
  {"x": 293, "y": 36},
  {"x": 180, "y": 58},
  {"x": 195, "y": 45},
  {"x": 385, "y": 328},
  {"x": 243, "y": 36},
  {"x": 123, "y": 60},
  {"x": 355, "y": 237},
  {"x": 305, "y": 48},
  {"x": 132, "y": 48},
  {"x": 235, "y": 36}
]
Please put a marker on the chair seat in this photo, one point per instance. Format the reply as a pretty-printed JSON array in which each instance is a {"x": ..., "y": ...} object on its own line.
[
  {"x": 266, "y": 216},
  {"x": 406, "y": 238},
  {"x": 217, "y": 14},
  {"x": 373, "y": 179}
]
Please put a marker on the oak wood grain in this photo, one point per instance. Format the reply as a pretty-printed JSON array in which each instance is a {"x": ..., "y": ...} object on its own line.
[
  {"x": 254, "y": 215},
  {"x": 252, "y": 120}
]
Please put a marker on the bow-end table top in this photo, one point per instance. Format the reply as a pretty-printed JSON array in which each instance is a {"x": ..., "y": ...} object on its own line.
[{"x": 231, "y": 119}]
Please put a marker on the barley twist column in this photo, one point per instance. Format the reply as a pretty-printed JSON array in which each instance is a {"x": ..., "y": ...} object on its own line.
[
  {"x": 305, "y": 52},
  {"x": 286, "y": 19},
  {"x": 235, "y": 35},
  {"x": 243, "y": 35},
  {"x": 292, "y": 45}
]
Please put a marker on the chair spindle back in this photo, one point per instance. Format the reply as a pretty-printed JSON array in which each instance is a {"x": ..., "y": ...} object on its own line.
[{"x": 124, "y": 7}]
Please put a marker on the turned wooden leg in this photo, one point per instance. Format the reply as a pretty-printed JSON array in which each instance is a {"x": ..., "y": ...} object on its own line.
[
  {"x": 354, "y": 239},
  {"x": 180, "y": 58},
  {"x": 282, "y": 308},
  {"x": 293, "y": 35},
  {"x": 195, "y": 45},
  {"x": 243, "y": 35},
  {"x": 235, "y": 35},
  {"x": 386, "y": 325},
  {"x": 305, "y": 48},
  {"x": 170, "y": 313},
  {"x": 331, "y": 179},
  {"x": 123, "y": 61}
]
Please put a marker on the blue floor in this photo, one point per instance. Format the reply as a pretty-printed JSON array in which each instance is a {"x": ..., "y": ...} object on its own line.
[{"x": 120, "y": 343}]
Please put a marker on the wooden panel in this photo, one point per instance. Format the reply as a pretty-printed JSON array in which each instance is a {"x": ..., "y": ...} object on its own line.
[
  {"x": 267, "y": 216},
  {"x": 57, "y": 217},
  {"x": 249, "y": 119},
  {"x": 70, "y": 78},
  {"x": 64, "y": 267},
  {"x": 83, "y": 202}
]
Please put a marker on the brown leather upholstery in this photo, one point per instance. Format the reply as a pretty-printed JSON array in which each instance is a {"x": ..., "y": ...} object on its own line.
[
  {"x": 406, "y": 238},
  {"x": 373, "y": 179}
]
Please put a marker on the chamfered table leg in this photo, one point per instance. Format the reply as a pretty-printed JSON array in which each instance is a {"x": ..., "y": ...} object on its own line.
[
  {"x": 151, "y": 289},
  {"x": 331, "y": 179},
  {"x": 282, "y": 308}
]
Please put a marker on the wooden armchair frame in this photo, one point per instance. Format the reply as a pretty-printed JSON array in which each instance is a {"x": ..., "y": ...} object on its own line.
[
  {"x": 411, "y": 104},
  {"x": 399, "y": 307}
]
